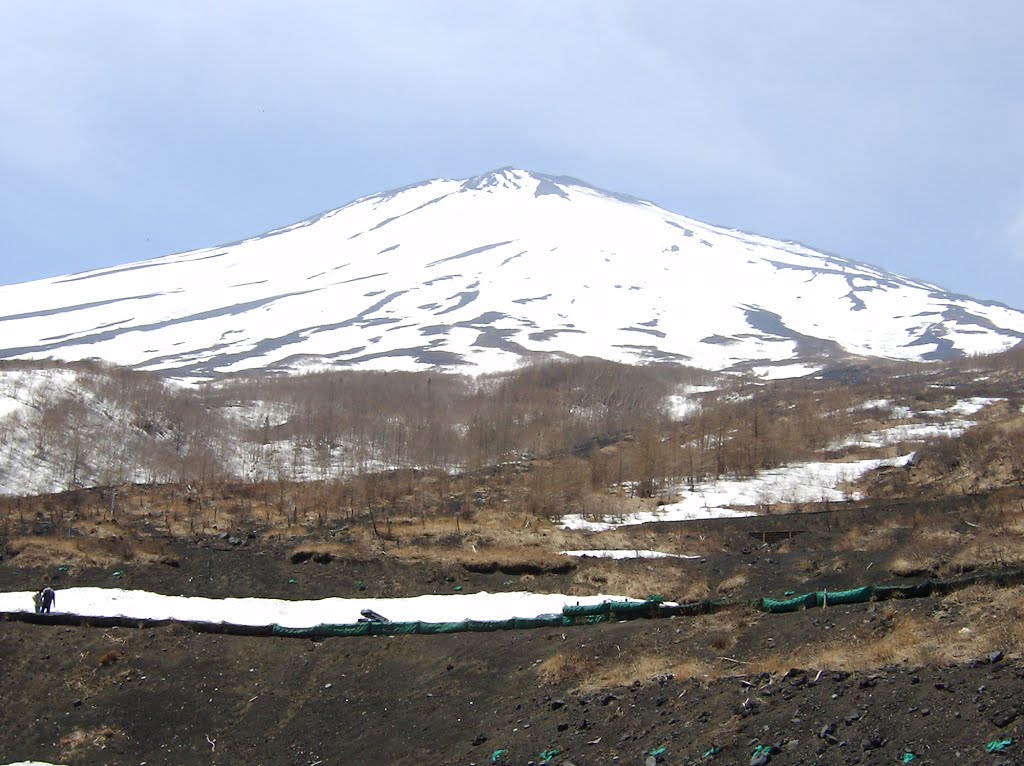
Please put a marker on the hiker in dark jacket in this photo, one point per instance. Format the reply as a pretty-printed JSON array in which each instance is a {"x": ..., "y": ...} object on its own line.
[
  {"x": 48, "y": 599},
  {"x": 37, "y": 600}
]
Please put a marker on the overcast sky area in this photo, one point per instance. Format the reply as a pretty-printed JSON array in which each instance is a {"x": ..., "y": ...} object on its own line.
[{"x": 887, "y": 132}]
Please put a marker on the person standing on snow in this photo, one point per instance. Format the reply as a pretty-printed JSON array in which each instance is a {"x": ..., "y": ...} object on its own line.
[{"x": 48, "y": 597}]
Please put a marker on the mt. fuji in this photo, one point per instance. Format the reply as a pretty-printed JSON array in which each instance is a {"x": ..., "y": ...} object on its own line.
[{"x": 475, "y": 275}]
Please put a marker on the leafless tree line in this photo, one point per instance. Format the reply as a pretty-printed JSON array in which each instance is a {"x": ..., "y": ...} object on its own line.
[{"x": 581, "y": 425}]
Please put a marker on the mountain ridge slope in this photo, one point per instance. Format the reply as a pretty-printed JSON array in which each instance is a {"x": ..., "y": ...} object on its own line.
[{"x": 477, "y": 274}]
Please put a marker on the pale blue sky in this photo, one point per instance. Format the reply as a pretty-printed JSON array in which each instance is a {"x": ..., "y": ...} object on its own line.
[{"x": 889, "y": 132}]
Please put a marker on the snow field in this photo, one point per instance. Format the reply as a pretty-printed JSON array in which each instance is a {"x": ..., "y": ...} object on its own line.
[
  {"x": 134, "y": 604},
  {"x": 726, "y": 498}
]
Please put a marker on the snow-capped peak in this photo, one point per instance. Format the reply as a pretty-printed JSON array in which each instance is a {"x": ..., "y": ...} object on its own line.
[{"x": 476, "y": 274}]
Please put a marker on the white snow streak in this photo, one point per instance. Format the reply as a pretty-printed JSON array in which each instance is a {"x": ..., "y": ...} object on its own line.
[
  {"x": 135, "y": 604},
  {"x": 802, "y": 483}
]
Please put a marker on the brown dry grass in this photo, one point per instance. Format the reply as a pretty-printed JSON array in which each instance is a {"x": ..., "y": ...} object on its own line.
[
  {"x": 77, "y": 744},
  {"x": 907, "y": 640},
  {"x": 588, "y": 669},
  {"x": 732, "y": 583},
  {"x": 408, "y": 536},
  {"x": 693, "y": 589},
  {"x": 657, "y": 577},
  {"x": 967, "y": 624},
  {"x": 860, "y": 538},
  {"x": 971, "y": 623},
  {"x": 990, "y": 551},
  {"x": 588, "y": 673},
  {"x": 78, "y": 552},
  {"x": 940, "y": 538},
  {"x": 992, "y": 615},
  {"x": 563, "y": 667},
  {"x": 516, "y": 559},
  {"x": 914, "y": 564}
]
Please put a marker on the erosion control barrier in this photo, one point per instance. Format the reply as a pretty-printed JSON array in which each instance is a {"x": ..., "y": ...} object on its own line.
[
  {"x": 582, "y": 614},
  {"x": 590, "y": 614},
  {"x": 139, "y": 623},
  {"x": 788, "y": 605},
  {"x": 823, "y": 598},
  {"x": 571, "y": 615},
  {"x": 652, "y": 606}
]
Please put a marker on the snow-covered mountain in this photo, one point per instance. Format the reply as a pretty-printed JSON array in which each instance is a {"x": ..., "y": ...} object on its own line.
[{"x": 476, "y": 274}]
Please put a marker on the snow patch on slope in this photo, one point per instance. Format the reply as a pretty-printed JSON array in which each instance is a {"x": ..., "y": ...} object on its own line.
[{"x": 727, "y": 498}]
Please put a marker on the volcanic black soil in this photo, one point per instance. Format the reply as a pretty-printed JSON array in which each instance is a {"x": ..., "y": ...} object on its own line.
[{"x": 681, "y": 690}]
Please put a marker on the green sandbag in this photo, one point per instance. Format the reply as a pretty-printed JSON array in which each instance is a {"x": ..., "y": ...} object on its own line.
[
  {"x": 586, "y": 619},
  {"x": 279, "y": 630},
  {"x": 523, "y": 623},
  {"x": 855, "y": 596},
  {"x": 777, "y": 606},
  {"x": 920, "y": 590},
  {"x": 624, "y": 610},
  {"x": 886, "y": 592},
  {"x": 705, "y": 606},
  {"x": 393, "y": 628},
  {"x": 442, "y": 627},
  {"x": 485, "y": 626},
  {"x": 342, "y": 629},
  {"x": 581, "y": 610}
]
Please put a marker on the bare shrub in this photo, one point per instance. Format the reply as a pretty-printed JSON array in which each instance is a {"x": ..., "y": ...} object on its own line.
[{"x": 732, "y": 583}]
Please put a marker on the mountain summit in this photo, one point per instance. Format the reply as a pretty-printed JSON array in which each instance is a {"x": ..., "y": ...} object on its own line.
[{"x": 476, "y": 275}]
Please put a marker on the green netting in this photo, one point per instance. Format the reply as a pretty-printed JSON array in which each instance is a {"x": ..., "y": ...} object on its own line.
[
  {"x": 620, "y": 610},
  {"x": 224, "y": 627},
  {"x": 507, "y": 624},
  {"x": 520, "y": 623},
  {"x": 707, "y": 606},
  {"x": 855, "y": 596},
  {"x": 624, "y": 610},
  {"x": 442, "y": 627},
  {"x": 589, "y": 614},
  {"x": 393, "y": 628},
  {"x": 1007, "y": 579},
  {"x": 884, "y": 592},
  {"x": 278, "y": 630},
  {"x": 349, "y": 629},
  {"x": 920, "y": 590},
  {"x": 864, "y": 594},
  {"x": 485, "y": 626},
  {"x": 789, "y": 604}
]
